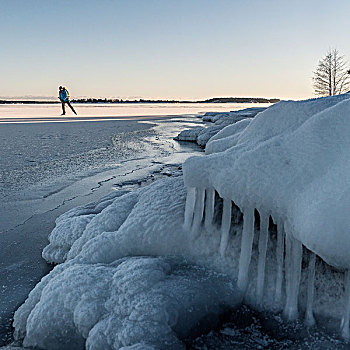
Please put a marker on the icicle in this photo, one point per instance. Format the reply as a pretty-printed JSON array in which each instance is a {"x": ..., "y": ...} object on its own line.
[
  {"x": 209, "y": 206},
  {"x": 198, "y": 209},
  {"x": 225, "y": 225},
  {"x": 246, "y": 249},
  {"x": 288, "y": 262},
  {"x": 279, "y": 258},
  {"x": 263, "y": 239},
  {"x": 345, "y": 320},
  {"x": 189, "y": 207},
  {"x": 309, "y": 317},
  {"x": 293, "y": 258}
]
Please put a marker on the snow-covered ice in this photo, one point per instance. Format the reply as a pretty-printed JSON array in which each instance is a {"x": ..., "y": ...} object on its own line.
[
  {"x": 113, "y": 290},
  {"x": 49, "y": 168},
  {"x": 291, "y": 162},
  {"x": 128, "y": 302},
  {"x": 260, "y": 218},
  {"x": 221, "y": 120}
]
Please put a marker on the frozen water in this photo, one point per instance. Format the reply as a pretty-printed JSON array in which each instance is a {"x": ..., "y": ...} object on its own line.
[
  {"x": 29, "y": 113},
  {"x": 209, "y": 207},
  {"x": 139, "y": 244},
  {"x": 71, "y": 226},
  {"x": 49, "y": 168}
]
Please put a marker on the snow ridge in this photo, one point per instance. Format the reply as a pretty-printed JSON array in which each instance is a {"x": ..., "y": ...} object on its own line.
[
  {"x": 290, "y": 163},
  {"x": 202, "y": 135}
]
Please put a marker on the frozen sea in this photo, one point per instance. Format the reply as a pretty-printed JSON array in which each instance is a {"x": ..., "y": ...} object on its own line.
[{"x": 50, "y": 164}]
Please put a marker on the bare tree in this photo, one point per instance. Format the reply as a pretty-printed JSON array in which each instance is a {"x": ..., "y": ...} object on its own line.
[{"x": 331, "y": 76}]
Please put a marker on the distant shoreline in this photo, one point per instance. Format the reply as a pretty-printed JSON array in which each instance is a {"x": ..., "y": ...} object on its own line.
[{"x": 120, "y": 101}]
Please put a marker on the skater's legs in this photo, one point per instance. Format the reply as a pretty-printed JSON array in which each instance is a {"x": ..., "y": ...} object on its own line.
[
  {"x": 63, "y": 108},
  {"x": 71, "y": 107}
]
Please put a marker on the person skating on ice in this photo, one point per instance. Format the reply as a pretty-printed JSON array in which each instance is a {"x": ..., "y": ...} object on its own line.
[{"x": 64, "y": 98}]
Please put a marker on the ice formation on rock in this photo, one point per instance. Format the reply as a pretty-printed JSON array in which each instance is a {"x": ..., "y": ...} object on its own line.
[
  {"x": 232, "y": 117},
  {"x": 114, "y": 290},
  {"x": 131, "y": 301},
  {"x": 70, "y": 226},
  {"x": 221, "y": 120},
  {"x": 291, "y": 162}
]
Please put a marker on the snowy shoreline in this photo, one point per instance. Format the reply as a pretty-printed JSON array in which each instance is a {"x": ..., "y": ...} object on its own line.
[
  {"x": 143, "y": 269},
  {"x": 122, "y": 155}
]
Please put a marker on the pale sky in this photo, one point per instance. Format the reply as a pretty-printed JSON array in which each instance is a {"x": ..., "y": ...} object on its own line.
[{"x": 181, "y": 49}]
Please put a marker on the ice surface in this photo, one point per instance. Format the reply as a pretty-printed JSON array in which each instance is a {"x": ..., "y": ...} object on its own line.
[
  {"x": 119, "y": 288},
  {"x": 198, "y": 210},
  {"x": 76, "y": 163},
  {"x": 345, "y": 320},
  {"x": 189, "y": 209},
  {"x": 279, "y": 261},
  {"x": 233, "y": 116},
  {"x": 293, "y": 274}
]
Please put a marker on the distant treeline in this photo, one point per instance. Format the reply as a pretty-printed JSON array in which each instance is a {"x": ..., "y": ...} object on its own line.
[{"x": 116, "y": 100}]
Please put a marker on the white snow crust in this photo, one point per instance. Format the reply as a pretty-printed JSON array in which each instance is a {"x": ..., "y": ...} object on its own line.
[
  {"x": 189, "y": 134},
  {"x": 115, "y": 290},
  {"x": 226, "y": 137},
  {"x": 221, "y": 120},
  {"x": 291, "y": 161},
  {"x": 128, "y": 302}
]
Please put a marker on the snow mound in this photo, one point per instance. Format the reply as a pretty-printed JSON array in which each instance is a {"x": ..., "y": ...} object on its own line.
[
  {"x": 202, "y": 135},
  {"x": 226, "y": 137},
  {"x": 233, "y": 116},
  {"x": 148, "y": 300},
  {"x": 71, "y": 225},
  {"x": 190, "y": 134},
  {"x": 291, "y": 163},
  {"x": 136, "y": 223},
  {"x": 109, "y": 295}
]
